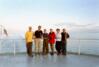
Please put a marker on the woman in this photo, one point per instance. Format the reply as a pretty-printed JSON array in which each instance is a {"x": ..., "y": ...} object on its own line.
[{"x": 52, "y": 40}]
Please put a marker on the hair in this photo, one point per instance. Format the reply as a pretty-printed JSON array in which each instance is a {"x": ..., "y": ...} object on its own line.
[
  {"x": 44, "y": 29},
  {"x": 57, "y": 29},
  {"x": 39, "y": 26}
]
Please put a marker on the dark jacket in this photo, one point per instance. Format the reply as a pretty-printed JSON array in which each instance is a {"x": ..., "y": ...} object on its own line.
[{"x": 65, "y": 36}]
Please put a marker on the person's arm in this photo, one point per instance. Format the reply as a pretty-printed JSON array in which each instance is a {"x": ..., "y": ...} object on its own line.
[
  {"x": 49, "y": 37},
  {"x": 41, "y": 34},
  {"x": 54, "y": 35},
  {"x": 68, "y": 36},
  {"x": 26, "y": 36},
  {"x": 33, "y": 35}
]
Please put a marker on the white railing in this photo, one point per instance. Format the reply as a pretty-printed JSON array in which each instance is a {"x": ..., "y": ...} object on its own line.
[{"x": 15, "y": 45}]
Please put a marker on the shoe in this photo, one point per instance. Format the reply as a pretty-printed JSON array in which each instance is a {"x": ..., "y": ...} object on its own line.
[
  {"x": 38, "y": 53},
  {"x": 52, "y": 53},
  {"x": 64, "y": 54},
  {"x": 58, "y": 53},
  {"x": 30, "y": 55}
]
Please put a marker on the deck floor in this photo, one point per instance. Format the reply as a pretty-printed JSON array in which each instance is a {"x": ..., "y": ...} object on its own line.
[{"x": 22, "y": 60}]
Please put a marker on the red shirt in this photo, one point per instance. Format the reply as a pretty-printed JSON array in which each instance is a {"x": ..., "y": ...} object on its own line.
[{"x": 52, "y": 38}]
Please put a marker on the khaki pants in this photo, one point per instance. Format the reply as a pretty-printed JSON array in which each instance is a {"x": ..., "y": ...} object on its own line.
[{"x": 38, "y": 45}]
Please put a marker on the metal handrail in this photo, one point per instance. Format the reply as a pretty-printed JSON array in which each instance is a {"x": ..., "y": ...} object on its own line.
[{"x": 14, "y": 44}]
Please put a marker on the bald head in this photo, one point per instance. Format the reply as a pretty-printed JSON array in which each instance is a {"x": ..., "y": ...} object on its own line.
[{"x": 30, "y": 28}]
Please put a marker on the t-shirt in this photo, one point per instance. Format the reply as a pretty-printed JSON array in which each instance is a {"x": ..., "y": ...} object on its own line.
[
  {"x": 38, "y": 34},
  {"x": 58, "y": 36},
  {"x": 29, "y": 36}
]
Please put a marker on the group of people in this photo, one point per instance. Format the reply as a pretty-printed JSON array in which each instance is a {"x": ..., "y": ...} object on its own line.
[{"x": 58, "y": 38}]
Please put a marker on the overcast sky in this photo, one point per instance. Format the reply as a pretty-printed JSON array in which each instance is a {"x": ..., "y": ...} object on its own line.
[{"x": 19, "y": 14}]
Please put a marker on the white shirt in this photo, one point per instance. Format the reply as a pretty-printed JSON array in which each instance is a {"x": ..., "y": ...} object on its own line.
[{"x": 58, "y": 36}]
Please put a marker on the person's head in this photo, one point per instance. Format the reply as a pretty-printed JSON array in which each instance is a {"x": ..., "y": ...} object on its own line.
[
  {"x": 64, "y": 30},
  {"x": 39, "y": 27},
  {"x": 45, "y": 31},
  {"x": 51, "y": 30},
  {"x": 30, "y": 28},
  {"x": 57, "y": 30}
]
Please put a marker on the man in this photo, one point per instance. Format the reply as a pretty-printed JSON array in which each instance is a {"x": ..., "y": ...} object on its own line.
[
  {"x": 45, "y": 42},
  {"x": 65, "y": 36},
  {"x": 38, "y": 39},
  {"x": 29, "y": 38},
  {"x": 58, "y": 41}
]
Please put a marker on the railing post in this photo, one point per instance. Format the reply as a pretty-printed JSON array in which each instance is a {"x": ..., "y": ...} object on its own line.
[
  {"x": 14, "y": 47},
  {"x": 0, "y": 44},
  {"x": 79, "y": 46},
  {"x": 0, "y": 36}
]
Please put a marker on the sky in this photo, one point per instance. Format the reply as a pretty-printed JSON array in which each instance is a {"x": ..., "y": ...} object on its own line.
[{"x": 19, "y": 14}]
